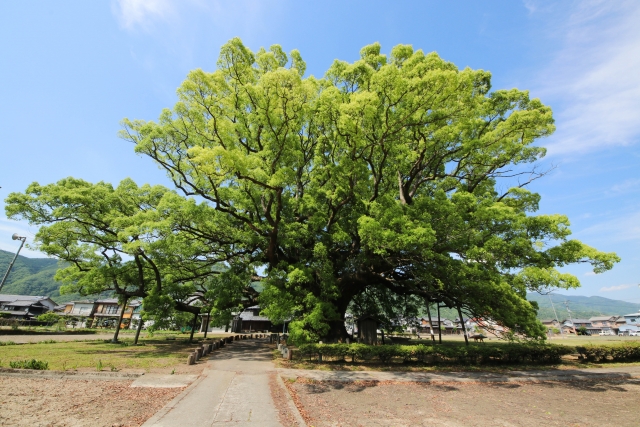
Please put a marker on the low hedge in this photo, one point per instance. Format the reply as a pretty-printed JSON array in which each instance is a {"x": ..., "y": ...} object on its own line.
[
  {"x": 466, "y": 355},
  {"x": 625, "y": 352},
  {"x": 30, "y": 364}
]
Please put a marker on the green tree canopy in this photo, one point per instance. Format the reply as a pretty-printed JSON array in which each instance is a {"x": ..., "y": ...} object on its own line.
[
  {"x": 383, "y": 174},
  {"x": 133, "y": 241}
]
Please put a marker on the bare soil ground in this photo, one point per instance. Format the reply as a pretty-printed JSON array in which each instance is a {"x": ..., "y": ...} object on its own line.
[
  {"x": 575, "y": 404},
  {"x": 74, "y": 403}
]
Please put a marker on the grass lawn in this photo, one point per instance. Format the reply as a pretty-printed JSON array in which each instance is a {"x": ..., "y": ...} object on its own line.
[{"x": 152, "y": 353}]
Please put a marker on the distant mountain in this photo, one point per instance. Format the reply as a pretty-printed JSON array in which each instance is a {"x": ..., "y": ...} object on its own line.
[
  {"x": 32, "y": 276},
  {"x": 580, "y": 306}
]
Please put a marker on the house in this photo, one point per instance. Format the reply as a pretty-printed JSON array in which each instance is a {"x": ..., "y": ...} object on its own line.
[
  {"x": 252, "y": 321},
  {"x": 551, "y": 323},
  {"x": 604, "y": 323},
  {"x": 80, "y": 312},
  {"x": 135, "y": 315},
  {"x": 107, "y": 313},
  {"x": 632, "y": 319},
  {"x": 25, "y": 307},
  {"x": 446, "y": 325}
]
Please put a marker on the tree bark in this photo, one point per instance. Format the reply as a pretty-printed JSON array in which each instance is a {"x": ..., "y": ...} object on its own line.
[
  {"x": 138, "y": 329},
  {"x": 193, "y": 326},
  {"x": 124, "y": 307},
  {"x": 464, "y": 330}
]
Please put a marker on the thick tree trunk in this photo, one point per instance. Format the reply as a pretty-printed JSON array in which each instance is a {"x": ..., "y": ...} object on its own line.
[
  {"x": 464, "y": 330},
  {"x": 124, "y": 307},
  {"x": 337, "y": 332},
  {"x": 193, "y": 326},
  {"x": 138, "y": 329}
]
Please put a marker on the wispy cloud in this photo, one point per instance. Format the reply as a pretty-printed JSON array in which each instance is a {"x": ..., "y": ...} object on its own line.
[
  {"x": 615, "y": 288},
  {"x": 593, "y": 78},
  {"x": 628, "y": 185},
  {"x": 141, "y": 13},
  {"x": 620, "y": 228}
]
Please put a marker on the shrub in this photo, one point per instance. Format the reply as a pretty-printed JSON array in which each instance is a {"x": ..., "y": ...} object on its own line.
[
  {"x": 49, "y": 318},
  {"x": 626, "y": 352},
  {"x": 512, "y": 353},
  {"x": 30, "y": 364}
]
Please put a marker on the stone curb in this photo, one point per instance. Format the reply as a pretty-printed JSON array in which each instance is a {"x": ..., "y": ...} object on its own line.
[
  {"x": 292, "y": 406},
  {"x": 30, "y": 373}
]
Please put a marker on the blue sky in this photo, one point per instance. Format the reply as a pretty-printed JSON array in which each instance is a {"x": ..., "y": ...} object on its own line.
[{"x": 71, "y": 70}]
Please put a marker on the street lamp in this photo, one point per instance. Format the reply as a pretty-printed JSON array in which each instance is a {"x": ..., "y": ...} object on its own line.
[{"x": 22, "y": 240}]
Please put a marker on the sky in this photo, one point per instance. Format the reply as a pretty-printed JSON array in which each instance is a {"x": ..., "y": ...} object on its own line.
[{"x": 70, "y": 71}]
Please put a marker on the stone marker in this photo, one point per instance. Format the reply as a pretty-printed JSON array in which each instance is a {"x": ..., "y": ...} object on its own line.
[
  {"x": 289, "y": 354},
  {"x": 191, "y": 359}
]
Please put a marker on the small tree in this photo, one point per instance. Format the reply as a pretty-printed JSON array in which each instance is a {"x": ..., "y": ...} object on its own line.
[{"x": 49, "y": 318}]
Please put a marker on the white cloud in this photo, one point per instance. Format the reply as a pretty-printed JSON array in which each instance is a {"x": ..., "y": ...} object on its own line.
[
  {"x": 589, "y": 273},
  {"x": 594, "y": 78},
  {"x": 615, "y": 288},
  {"x": 141, "y": 13},
  {"x": 626, "y": 186},
  {"x": 624, "y": 227}
]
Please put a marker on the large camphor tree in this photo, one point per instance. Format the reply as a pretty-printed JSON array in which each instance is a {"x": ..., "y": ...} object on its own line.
[{"x": 381, "y": 178}]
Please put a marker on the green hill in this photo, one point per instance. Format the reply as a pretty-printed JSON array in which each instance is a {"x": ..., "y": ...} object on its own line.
[
  {"x": 581, "y": 307},
  {"x": 32, "y": 276}
]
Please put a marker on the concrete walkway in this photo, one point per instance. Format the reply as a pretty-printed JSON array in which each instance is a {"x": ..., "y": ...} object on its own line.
[
  {"x": 461, "y": 377},
  {"x": 232, "y": 391}
]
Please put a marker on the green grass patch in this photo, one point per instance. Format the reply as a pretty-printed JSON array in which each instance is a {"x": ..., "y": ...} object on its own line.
[
  {"x": 88, "y": 355},
  {"x": 40, "y": 365}
]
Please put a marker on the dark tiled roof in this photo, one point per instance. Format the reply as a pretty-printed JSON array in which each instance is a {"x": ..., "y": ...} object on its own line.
[{"x": 23, "y": 303}]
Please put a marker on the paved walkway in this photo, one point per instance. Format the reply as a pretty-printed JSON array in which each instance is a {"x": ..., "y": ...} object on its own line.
[
  {"x": 443, "y": 377},
  {"x": 232, "y": 391}
]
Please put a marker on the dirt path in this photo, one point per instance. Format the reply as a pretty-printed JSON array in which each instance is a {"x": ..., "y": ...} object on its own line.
[
  {"x": 32, "y": 402},
  {"x": 599, "y": 403}
]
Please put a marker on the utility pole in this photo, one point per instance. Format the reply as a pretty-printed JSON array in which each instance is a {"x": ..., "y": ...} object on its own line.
[
  {"x": 554, "y": 311},
  {"x": 566, "y": 304},
  {"x": 22, "y": 240}
]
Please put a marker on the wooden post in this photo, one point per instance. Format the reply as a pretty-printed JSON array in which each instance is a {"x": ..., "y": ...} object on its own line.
[
  {"x": 439, "y": 325},
  {"x": 191, "y": 359},
  {"x": 193, "y": 326},
  {"x": 206, "y": 328},
  {"x": 433, "y": 337}
]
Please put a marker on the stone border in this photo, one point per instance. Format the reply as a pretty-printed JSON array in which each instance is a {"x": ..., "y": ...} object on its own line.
[{"x": 32, "y": 373}]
